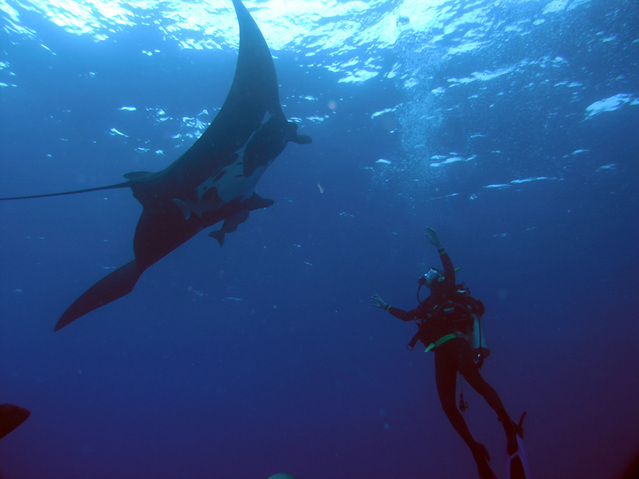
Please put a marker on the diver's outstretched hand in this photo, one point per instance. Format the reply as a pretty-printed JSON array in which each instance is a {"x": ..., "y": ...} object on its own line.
[
  {"x": 378, "y": 302},
  {"x": 433, "y": 237}
]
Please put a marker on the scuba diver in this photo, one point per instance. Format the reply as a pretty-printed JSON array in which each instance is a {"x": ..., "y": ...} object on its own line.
[{"x": 448, "y": 319}]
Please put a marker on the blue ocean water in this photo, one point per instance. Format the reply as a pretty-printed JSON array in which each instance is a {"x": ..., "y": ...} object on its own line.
[{"x": 510, "y": 127}]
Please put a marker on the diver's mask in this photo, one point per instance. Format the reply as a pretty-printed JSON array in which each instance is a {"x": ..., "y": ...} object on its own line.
[{"x": 430, "y": 277}]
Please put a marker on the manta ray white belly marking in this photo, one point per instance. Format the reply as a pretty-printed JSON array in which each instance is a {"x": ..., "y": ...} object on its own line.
[{"x": 229, "y": 182}]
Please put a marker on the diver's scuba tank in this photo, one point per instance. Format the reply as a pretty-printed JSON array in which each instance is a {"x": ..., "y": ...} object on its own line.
[
  {"x": 475, "y": 336},
  {"x": 477, "y": 340}
]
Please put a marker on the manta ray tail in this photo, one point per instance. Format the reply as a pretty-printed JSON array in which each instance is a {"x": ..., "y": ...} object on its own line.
[
  {"x": 125, "y": 184},
  {"x": 113, "y": 286}
]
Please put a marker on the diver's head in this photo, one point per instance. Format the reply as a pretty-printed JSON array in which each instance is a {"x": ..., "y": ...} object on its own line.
[{"x": 431, "y": 276}]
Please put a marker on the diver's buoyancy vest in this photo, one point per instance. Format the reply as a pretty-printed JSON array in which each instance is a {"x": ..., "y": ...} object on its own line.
[
  {"x": 458, "y": 310},
  {"x": 463, "y": 314}
]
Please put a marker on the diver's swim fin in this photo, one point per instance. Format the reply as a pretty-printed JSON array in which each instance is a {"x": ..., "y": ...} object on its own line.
[{"x": 517, "y": 464}]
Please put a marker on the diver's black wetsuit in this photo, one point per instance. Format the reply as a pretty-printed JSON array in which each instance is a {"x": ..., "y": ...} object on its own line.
[{"x": 453, "y": 355}]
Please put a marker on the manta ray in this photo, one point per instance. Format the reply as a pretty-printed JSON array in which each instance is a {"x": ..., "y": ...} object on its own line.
[{"x": 212, "y": 182}]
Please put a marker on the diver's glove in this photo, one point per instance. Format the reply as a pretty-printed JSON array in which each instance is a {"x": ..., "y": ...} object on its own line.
[
  {"x": 378, "y": 302},
  {"x": 433, "y": 237}
]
